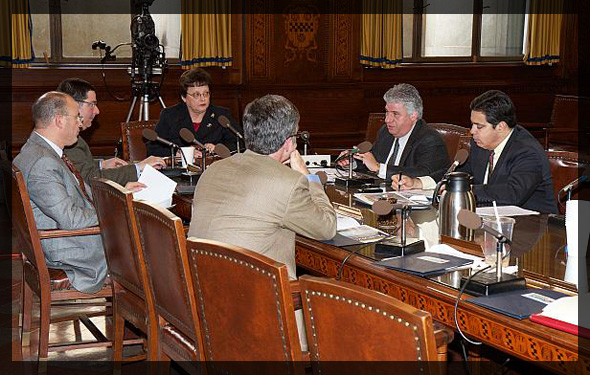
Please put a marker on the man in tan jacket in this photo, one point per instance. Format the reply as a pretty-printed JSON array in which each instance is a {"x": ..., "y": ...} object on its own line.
[{"x": 260, "y": 199}]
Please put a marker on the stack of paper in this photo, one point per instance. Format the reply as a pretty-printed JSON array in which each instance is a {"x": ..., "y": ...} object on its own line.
[{"x": 159, "y": 188}]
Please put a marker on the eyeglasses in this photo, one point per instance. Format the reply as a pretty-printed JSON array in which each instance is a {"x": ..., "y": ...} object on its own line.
[
  {"x": 79, "y": 117},
  {"x": 90, "y": 104},
  {"x": 198, "y": 95}
]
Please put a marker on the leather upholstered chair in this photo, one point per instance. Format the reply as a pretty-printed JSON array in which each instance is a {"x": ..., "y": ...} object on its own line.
[
  {"x": 374, "y": 123},
  {"x": 163, "y": 243},
  {"x": 351, "y": 325},
  {"x": 134, "y": 147},
  {"x": 566, "y": 167},
  {"x": 451, "y": 134},
  {"x": 245, "y": 307},
  {"x": 50, "y": 285},
  {"x": 132, "y": 299}
]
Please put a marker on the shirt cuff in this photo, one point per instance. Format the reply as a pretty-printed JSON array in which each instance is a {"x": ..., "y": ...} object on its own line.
[
  {"x": 138, "y": 169},
  {"x": 382, "y": 171},
  {"x": 313, "y": 178},
  {"x": 100, "y": 164},
  {"x": 427, "y": 182}
]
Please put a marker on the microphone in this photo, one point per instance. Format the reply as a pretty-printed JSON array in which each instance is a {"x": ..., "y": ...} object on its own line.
[
  {"x": 472, "y": 221},
  {"x": 223, "y": 121},
  {"x": 222, "y": 151},
  {"x": 189, "y": 137},
  {"x": 361, "y": 148},
  {"x": 460, "y": 158},
  {"x": 322, "y": 176},
  {"x": 572, "y": 185},
  {"x": 304, "y": 135},
  {"x": 151, "y": 135}
]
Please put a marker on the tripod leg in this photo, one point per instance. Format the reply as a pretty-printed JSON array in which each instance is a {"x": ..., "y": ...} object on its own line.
[
  {"x": 141, "y": 110},
  {"x": 146, "y": 107},
  {"x": 161, "y": 101},
  {"x": 131, "y": 107}
]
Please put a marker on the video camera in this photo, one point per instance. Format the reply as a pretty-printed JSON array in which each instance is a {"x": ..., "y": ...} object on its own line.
[{"x": 148, "y": 54}]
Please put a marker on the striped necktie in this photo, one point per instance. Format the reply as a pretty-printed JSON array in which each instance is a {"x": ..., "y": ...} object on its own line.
[
  {"x": 490, "y": 165},
  {"x": 77, "y": 174}
]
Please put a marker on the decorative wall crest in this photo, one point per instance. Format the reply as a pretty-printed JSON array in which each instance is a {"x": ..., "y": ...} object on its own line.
[{"x": 301, "y": 28}]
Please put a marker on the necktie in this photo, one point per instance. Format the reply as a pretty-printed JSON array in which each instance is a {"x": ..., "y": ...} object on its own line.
[
  {"x": 76, "y": 174},
  {"x": 491, "y": 165},
  {"x": 395, "y": 151}
]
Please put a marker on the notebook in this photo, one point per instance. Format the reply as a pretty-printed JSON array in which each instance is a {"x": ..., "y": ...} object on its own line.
[
  {"x": 425, "y": 264},
  {"x": 519, "y": 304}
]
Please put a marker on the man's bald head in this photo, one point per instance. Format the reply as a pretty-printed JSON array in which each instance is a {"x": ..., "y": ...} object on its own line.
[{"x": 48, "y": 106}]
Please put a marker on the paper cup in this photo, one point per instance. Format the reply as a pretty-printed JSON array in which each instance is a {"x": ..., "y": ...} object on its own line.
[{"x": 189, "y": 155}]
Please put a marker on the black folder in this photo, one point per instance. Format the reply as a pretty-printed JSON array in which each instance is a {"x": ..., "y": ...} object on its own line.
[
  {"x": 519, "y": 304},
  {"x": 425, "y": 263}
]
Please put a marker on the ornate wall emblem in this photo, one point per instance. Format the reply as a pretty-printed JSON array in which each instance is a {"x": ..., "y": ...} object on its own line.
[{"x": 301, "y": 28}]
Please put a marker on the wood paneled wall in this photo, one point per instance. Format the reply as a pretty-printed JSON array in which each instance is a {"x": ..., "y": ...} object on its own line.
[{"x": 313, "y": 61}]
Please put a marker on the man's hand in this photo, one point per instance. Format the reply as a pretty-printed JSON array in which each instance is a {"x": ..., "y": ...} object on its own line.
[
  {"x": 297, "y": 163},
  {"x": 113, "y": 163},
  {"x": 154, "y": 161},
  {"x": 135, "y": 186},
  {"x": 210, "y": 147},
  {"x": 369, "y": 160},
  {"x": 406, "y": 182},
  {"x": 344, "y": 161}
]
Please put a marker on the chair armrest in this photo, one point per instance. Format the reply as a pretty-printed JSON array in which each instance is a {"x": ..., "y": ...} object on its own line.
[
  {"x": 296, "y": 294},
  {"x": 55, "y": 233}
]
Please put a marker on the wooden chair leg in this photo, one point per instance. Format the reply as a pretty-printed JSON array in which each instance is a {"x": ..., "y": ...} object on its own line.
[
  {"x": 27, "y": 313},
  {"x": 44, "y": 320},
  {"x": 119, "y": 327},
  {"x": 164, "y": 364}
]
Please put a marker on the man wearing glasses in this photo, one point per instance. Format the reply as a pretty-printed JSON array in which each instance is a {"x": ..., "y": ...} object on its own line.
[
  {"x": 79, "y": 153},
  {"x": 262, "y": 198},
  {"x": 195, "y": 113},
  {"x": 59, "y": 196}
]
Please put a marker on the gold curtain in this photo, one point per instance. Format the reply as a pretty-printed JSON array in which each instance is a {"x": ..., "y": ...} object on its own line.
[
  {"x": 544, "y": 30},
  {"x": 381, "y": 33},
  {"x": 16, "y": 49},
  {"x": 206, "y": 33}
]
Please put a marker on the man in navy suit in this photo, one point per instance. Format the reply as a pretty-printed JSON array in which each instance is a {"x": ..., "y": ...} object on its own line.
[{"x": 507, "y": 163}]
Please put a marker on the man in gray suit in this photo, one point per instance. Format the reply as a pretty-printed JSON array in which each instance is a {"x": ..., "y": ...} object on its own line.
[
  {"x": 59, "y": 196},
  {"x": 254, "y": 200},
  {"x": 79, "y": 153}
]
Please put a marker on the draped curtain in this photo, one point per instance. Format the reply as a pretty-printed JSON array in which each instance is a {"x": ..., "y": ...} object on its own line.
[
  {"x": 544, "y": 30},
  {"x": 381, "y": 33},
  {"x": 16, "y": 49},
  {"x": 206, "y": 33}
]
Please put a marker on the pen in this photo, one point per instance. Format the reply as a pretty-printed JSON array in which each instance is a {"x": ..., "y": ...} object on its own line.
[{"x": 399, "y": 181}]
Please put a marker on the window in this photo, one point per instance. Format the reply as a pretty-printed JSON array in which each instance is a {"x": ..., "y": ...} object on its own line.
[
  {"x": 68, "y": 33},
  {"x": 463, "y": 30}
]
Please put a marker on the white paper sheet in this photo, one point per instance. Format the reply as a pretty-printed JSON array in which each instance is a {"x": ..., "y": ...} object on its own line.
[
  {"x": 505, "y": 211},
  {"x": 159, "y": 188},
  {"x": 345, "y": 222}
]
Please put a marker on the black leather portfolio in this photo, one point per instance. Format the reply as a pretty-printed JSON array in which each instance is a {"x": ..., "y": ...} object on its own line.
[
  {"x": 425, "y": 263},
  {"x": 519, "y": 304}
]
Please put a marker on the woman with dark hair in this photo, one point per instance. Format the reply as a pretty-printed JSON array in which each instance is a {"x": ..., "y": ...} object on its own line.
[{"x": 195, "y": 113}]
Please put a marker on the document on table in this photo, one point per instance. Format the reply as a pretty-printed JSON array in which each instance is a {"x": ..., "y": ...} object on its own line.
[
  {"x": 159, "y": 188},
  {"x": 505, "y": 211}
]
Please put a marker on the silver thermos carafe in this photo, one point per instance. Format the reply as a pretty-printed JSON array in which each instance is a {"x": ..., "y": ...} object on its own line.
[{"x": 457, "y": 196}]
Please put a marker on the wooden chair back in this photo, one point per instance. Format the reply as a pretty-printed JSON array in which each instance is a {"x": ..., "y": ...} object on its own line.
[
  {"x": 163, "y": 241},
  {"x": 565, "y": 167},
  {"x": 244, "y": 304},
  {"x": 451, "y": 134},
  {"x": 134, "y": 145},
  {"x": 374, "y": 123},
  {"x": 352, "y": 324}
]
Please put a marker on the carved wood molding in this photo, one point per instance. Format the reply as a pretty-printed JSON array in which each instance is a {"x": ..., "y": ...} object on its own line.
[{"x": 490, "y": 331}]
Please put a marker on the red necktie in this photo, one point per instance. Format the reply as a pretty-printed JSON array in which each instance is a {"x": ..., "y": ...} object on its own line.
[
  {"x": 77, "y": 175},
  {"x": 491, "y": 165}
]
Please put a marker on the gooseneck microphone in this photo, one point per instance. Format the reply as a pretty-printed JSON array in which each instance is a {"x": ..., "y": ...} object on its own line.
[
  {"x": 223, "y": 121},
  {"x": 574, "y": 184},
  {"x": 151, "y": 135},
  {"x": 460, "y": 158},
  {"x": 189, "y": 137},
  {"x": 361, "y": 148},
  {"x": 472, "y": 220},
  {"x": 304, "y": 135}
]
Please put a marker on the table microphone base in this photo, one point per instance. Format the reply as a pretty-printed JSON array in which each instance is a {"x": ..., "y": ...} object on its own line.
[
  {"x": 394, "y": 248},
  {"x": 353, "y": 182},
  {"x": 485, "y": 284}
]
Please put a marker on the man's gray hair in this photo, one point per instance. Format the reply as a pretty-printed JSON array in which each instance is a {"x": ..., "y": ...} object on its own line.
[
  {"x": 49, "y": 105},
  {"x": 405, "y": 94},
  {"x": 268, "y": 121}
]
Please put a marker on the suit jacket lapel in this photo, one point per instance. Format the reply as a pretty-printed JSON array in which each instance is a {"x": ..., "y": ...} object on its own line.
[
  {"x": 410, "y": 144},
  {"x": 502, "y": 160}
]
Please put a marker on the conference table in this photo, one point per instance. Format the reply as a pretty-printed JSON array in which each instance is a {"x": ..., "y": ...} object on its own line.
[{"x": 537, "y": 253}]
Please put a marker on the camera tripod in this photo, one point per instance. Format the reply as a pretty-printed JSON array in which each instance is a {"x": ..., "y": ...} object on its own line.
[{"x": 144, "y": 90}]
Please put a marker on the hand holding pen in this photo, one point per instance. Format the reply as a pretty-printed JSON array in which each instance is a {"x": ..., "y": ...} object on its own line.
[{"x": 401, "y": 182}]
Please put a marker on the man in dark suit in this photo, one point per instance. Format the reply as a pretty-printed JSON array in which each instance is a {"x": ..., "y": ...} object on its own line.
[
  {"x": 405, "y": 144},
  {"x": 195, "y": 113},
  {"x": 507, "y": 163},
  {"x": 79, "y": 153},
  {"x": 60, "y": 198}
]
